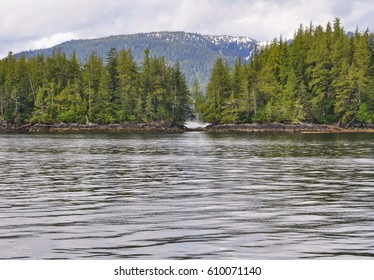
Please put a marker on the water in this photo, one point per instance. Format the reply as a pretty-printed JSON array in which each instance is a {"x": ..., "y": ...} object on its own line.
[{"x": 189, "y": 195}]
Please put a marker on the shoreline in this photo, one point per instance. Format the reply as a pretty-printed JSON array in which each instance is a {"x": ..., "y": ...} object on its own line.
[
  {"x": 290, "y": 128},
  {"x": 90, "y": 128},
  {"x": 163, "y": 127}
]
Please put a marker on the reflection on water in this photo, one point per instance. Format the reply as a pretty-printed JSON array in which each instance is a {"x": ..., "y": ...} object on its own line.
[{"x": 189, "y": 195}]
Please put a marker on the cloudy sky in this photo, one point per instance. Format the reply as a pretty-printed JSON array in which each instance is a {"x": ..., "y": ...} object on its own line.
[{"x": 32, "y": 24}]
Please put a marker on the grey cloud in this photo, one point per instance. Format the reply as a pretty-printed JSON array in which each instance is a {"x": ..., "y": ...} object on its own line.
[{"x": 38, "y": 23}]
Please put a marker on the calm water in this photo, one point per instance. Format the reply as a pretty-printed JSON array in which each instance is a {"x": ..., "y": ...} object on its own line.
[{"x": 188, "y": 195}]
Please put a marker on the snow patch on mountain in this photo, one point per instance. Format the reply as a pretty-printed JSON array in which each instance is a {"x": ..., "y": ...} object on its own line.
[{"x": 238, "y": 46}]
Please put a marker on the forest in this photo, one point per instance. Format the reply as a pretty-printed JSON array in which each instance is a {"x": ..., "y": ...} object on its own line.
[
  {"x": 321, "y": 76},
  {"x": 57, "y": 89}
]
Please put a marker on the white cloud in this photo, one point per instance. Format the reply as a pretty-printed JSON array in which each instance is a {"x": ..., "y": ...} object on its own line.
[
  {"x": 41, "y": 23},
  {"x": 55, "y": 39}
]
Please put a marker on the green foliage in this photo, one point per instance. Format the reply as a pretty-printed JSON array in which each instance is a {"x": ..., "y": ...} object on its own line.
[
  {"x": 323, "y": 76},
  {"x": 197, "y": 98},
  {"x": 218, "y": 91},
  {"x": 58, "y": 89}
]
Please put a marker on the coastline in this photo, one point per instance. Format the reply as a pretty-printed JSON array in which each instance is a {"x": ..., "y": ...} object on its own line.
[
  {"x": 164, "y": 127},
  {"x": 90, "y": 128},
  {"x": 290, "y": 128}
]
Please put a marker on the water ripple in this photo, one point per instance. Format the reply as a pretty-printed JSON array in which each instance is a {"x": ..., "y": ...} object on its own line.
[{"x": 191, "y": 195}]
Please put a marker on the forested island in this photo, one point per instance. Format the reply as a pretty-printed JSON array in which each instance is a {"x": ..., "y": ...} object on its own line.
[
  {"x": 322, "y": 77},
  {"x": 57, "y": 90}
]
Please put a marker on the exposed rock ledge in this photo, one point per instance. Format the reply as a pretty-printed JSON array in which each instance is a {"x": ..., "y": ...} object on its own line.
[
  {"x": 279, "y": 127},
  {"x": 64, "y": 127}
]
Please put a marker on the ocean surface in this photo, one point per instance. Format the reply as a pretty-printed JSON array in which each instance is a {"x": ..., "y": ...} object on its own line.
[{"x": 192, "y": 195}]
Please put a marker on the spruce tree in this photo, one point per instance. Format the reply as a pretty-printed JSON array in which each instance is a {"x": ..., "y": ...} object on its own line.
[
  {"x": 362, "y": 74},
  {"x": 91, "y": 75},
  {"x": 128, "y": 86},
  {"x": 218, "y": 90},
  {"x": 181, "y": 106}
]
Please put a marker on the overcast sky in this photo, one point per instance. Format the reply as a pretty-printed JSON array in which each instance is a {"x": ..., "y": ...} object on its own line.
[{"x": 32, "y": 24}]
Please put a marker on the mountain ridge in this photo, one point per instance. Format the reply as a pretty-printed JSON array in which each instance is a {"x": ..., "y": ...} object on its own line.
[{"x": 196, "y": 53}]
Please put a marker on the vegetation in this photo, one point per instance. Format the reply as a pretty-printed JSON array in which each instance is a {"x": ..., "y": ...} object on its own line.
[
  {"x": 323, "y": 76},
  {"x": 57, "y": 89}
]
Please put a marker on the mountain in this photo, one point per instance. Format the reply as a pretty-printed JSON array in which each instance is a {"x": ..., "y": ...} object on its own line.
[{"x": 196, "y": 53}]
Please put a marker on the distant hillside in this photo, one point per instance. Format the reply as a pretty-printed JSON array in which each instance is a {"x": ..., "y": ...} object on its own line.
[{"x": 196, "y": 53}]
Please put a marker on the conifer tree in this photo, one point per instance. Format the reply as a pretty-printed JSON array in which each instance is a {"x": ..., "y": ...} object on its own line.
[
  {"x": 144, "y": 101},
  {"x": 11, "y": 96},
  {"x": 231, "y": 105},
  {"x": 197, "y": 97},
  {"x": 127, "y": 86},
  {"x": 319, "y": 77},
  {"x": 362, "y": 74},
  {"x": 91, "y": 75},
  {"x": 218, "y": 90},
  {"x": 112, "y": 61},
  {"x": 181, "y": 107}
]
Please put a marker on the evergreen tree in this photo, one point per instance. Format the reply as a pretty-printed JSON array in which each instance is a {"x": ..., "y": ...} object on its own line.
[
  {"x": 319, "y": 75},
  {"x": 341, "y": 83},
  {"x": 270, "y": 88},
  {"x": 362, "y": 74},
  {"x": 144, "y": 106},
  {"x": 248, "y": 103},
  {"x": 294, "y": 93},
  {"x": 218, "y": 90},
  {"x": 297, "y": 66},
  {"x": 112, "y": 61},
  {"x": 128, "y": 86},
  {"x": 181, "y": 107},
  {"x": 70, "y": 105},
  {"x": 160, "y": 98},
  {"x": 103, "y": 108},
  {"x": 230, "y": 112},
  {"x": 197, "y": 98},
  {"x": 91, "y": 76},
  {"x": 11, "y": 97}
]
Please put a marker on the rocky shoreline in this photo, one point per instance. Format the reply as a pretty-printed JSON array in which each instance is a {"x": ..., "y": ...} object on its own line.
[
  {"x": 90, "y": 128},
  {"x": 164, "y": 127},
  {"x": 290, "y": 128}
]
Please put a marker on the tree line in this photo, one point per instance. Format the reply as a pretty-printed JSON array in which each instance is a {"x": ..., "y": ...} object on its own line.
[
  {"x": 322, "y": 76},
  {"x": 57, "y": 89}
]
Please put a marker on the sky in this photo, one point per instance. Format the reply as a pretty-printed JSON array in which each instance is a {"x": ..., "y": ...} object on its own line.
[{"x": 35, "y": 24}]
